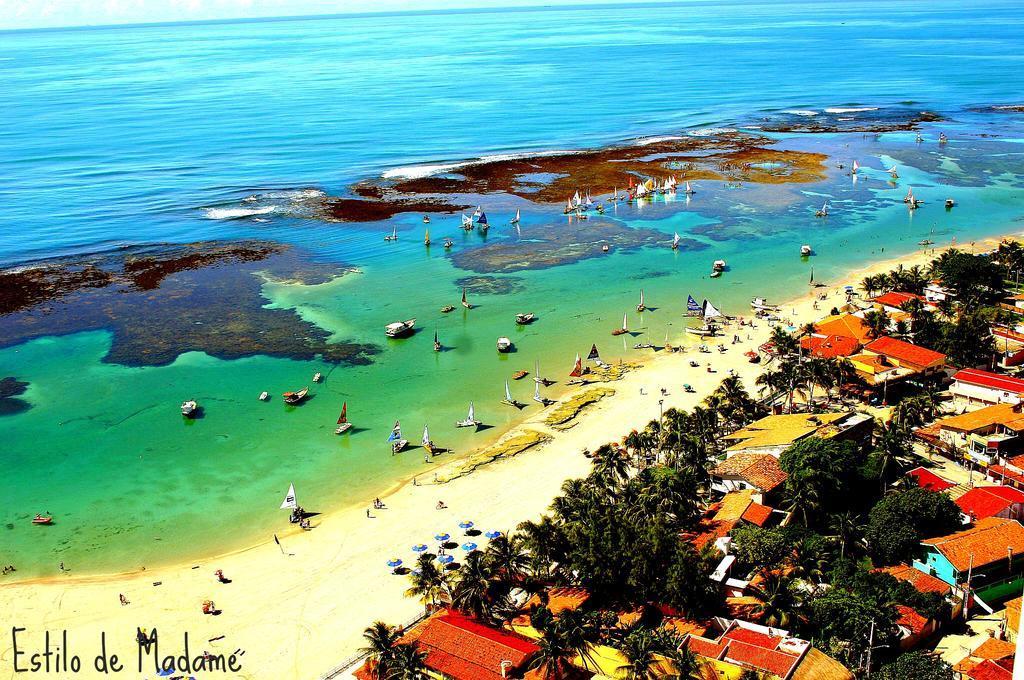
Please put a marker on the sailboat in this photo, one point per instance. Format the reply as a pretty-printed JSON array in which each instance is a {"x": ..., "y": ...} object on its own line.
[
  {"x": 577, "y": 368},
  {"x": 646, "y": 344},
  {"x": 393, "y": 236},
  {"x": 692, "y": 308},
  {"x": 427, "y": 443},
  {"x": 624, "y": 329},
  {"x": 909, "y": 198},
  {"x": 482, "y": 221},
  {"x": 569, "y": 208},
  {"x": 437, "y": 343},
  {"x": 515, "y": 220},
  {"x": 289, "y": 502},
  {"x": 470, "y": 420},
  {"x": 689, "y": 189},
  {"x": 465, "y": 303},
  {"x": 675, "y": 241},
  {"x": 641, "y": 307},
  {"x": 467, "y": 222},
  {"x": 537, "y": 377},
  {"x": 856, "y": 167},
  {"x": 892, "y": 172},
  {"x": 508, "y": 398},
  {"x": 343, "y": 424},
  {"x": 478, "y": 212},
  {"x": 426, "y": 237},
  {"x": 396, "y": 441},
  {"x": 536, "y": 396},
  {"x": 824, "y": 210}
]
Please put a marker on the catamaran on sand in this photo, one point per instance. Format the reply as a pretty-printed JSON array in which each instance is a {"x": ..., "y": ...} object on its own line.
[{"x": 470, "y": 420}]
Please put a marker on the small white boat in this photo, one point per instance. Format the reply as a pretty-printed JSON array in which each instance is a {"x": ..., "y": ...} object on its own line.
[
  {"x": 393, "y": 236},
  {"x": 675, "y": 241},
  {"x": 508, "y": 397},
  {"x": 823, "y": 212},
  {"x": 395, "y": 439},
  {"x": 641, "y": 307},
  {"x": 465, "y": 302},
  {"x": 623, "y": 329},
  {"x": 604, "y": 248},
  {"x": 909, "y": 198},
  {"x": 295, "y": 397},
  {"x": 856, "y": 167},
  {"x": 427, "y": 442},
  {"x": 689, "y": 190},
  {"x": 892, "y": 172},
  {"x": 760, "y": 304},
  {"x": 448, "y": 243},
  {"x": 317, "y": 377},
  {"x": 399, "y": 329},
  {"x": 343, "y": 424},
  {"x": 264, "y": 396},
  {"x": 524, "y": 319},
  {"x": 805, "y": 250},
  {"x": 537, "y": 396},
  {"x": 950, "y": 202},
  {"x": 504, "y": 345},
  {"x": 515, "y": 220},
  {"x": 470, "y": 420},
  {"x": 467, "y": 222},
  {"x": 426, "y": 219},
  {"x": 189, "y": 408},
  {"x": 707, "y": 330}
]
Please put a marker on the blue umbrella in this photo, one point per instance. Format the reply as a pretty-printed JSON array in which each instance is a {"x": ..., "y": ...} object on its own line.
[
  {"x": 394, "y": 562},
  {"x": 442, "y": 537},
  {"x": 465, "y": 524},
  {"x": 422, "y": 547},
  {"x": 469, "y": 547},
  {"x": 492, "y": 534},
  {"x": 445, "y": 559}
]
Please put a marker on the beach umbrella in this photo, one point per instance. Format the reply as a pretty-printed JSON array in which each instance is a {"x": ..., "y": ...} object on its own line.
[
  {"x": 394, "y": 562},
  {"x": 445, "y": 559},
  {"x": 422, "y": 547},
  {"x": 469, "y": 547},
  {"x": 465, "y": 524},
  {"x": 492, "y": 534},
  {"x": 441, "y": 537}
]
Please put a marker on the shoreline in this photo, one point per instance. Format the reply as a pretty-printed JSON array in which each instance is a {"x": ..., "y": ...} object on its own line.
[
  {"x": 535, "y": 421},
  {"x": 319, "y": 590}
]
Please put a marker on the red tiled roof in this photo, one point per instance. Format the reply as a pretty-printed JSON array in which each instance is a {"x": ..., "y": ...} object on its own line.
[
  {"x": 757, "y": 514},
  {"x": 905, "y": 351},
  {"x": 1003, "y": 473},
  {"x": 988, "y": 501},
  {"x": 465, "y": 649},
  {"x": 926, "y": 583},
  {"x": 770, "y": 660},
  {"x": 760, "y": 470},
  {"x": 910, "y": 619},
  {"x": 986, "y": 541},
  {"x": 752, "y": 637},
  {"x": 926, "y": 479},
  {"x": 896, "y": 299},
  {"x": 830, "y": 347},
  {"x": 993, "y": 381},
  {"x": 846, "y": 325},
  {"x": 705, "y": 647},
  {"x": 990, "y": 670}
]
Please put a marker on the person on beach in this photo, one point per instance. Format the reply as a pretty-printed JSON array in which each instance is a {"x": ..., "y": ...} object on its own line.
[
  {"x": 124, "y": 600},
  {"x": 367, "y": 513}
]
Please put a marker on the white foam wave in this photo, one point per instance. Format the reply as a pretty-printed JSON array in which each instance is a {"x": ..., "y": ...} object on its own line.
[
  {"x": 235, "y": 213},
  {"x": 421, "y": 171},
  {"x": 644, "y": 141},
  {"x": 850, "y": 109},
  {"x": 710, "y": 131},
  {"x": 801, "y": 112}
]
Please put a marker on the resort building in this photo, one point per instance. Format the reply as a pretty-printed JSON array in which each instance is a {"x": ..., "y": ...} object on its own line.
[
  {"x": 759, "y": 472},
  {"x": 893, "y": 301},
  {"x": 991, "y": 552},
  {"x": 745, "y": 646},
  {"x": 986, "y": 436},
  {"x": 973, "y": 386},
  {"x": 844, "y": 326},
  {"x": 829, "y": 346},
  {"x": 774, "y": 434},
  {"x": 906, "y": 355},
  {"x": 735, "y": 509}
]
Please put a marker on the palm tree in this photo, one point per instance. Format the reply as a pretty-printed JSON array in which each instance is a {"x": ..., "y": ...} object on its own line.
[
  {"x": 877, "y": 321},
  {"x": 506, "y": 556},
  {"x": 892, "y": 444},
  {"x": 802, "y": 502},
  {"x": 783, "y": 341},
  {"x": 428, "y": 583},
  {"x": 612, "y": 462},
  {"x": 809, "y": 559},
  {"x": 639, "y": 647},
  {"x": 554, "y": 658},
  {"x": 472, "y": 591},
  {"x": 579, "y": 631},
  {"x": 407, "y": 664},
  {"x": 543, "y": 540},
  {"x": 380, "y": 648},
  {"x": 777, "y": 602},
  {"x": 847, "y": 531}
]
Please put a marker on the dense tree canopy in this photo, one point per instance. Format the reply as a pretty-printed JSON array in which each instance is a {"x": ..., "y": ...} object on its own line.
[{"x": 900, "y": 520}]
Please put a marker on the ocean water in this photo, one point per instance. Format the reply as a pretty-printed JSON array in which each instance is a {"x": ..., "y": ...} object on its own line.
[{"x": 154, "y": 134}]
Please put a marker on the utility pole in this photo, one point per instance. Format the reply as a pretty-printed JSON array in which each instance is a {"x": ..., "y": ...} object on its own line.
[{"x": 871, "y": 643}]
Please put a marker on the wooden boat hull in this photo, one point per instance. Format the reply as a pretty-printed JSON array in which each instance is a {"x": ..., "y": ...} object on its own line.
[
  {"x": 519, "y": 375},
  {"x": 343, "y": 428},
  {"x": 619, "y": 331}
]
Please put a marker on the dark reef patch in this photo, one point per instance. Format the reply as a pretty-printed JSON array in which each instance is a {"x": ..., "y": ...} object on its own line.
[
  {"x": 492, "y": 285},
  {"x": 849, "y": 119},
  {"x": 10, "y": 389},
  {"x": 161, "y": 301},
  {"x": 380, "y": 204},
  {"x": 541, "y": 246}
]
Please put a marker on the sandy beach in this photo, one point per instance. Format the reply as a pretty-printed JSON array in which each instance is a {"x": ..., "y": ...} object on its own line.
[{"x": 313, "y": 594}]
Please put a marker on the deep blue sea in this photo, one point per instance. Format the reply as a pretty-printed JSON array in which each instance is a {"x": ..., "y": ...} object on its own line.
[
  {"x": 122, "y": 135},
  {"x": 188, "y": 132}
]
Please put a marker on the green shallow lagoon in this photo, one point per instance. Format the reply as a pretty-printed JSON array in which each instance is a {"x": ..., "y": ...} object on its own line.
[{"x": 131, "y": 483}]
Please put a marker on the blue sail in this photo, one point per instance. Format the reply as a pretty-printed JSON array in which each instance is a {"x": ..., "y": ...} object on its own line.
[
  {"x": 691, "y": 304},
  {"x": 482, "y": 219}
]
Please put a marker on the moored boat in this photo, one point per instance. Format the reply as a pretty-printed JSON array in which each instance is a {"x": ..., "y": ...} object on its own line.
[
  {"x": 641, "y": 306},
  {"x": 42, "y": 519},
  {"x": 189, "y": 408},
  {"x": 504, "y": 345},
  {"x": 317, "y": 377},
  {"x": 707, "y": 330},
  {"x": 823, "y": 212},
  {"x": 437, "y": 343},
  {"x": 515, "y": 220},
  {"x": 470, "y": 420},
  {"x": 509, "y": 399},
  {"x": 447, "y": 308},
  {"x": 295, "y": 397},
  {"x": 427, "y": 442},
  {"x": 393, "y": 236},
  {"x": 264, "y": 396},
  {"x": 950, "y": 203},
  {"x": 426, "y": 219},
  {"x": 519, "y": 375},
  {"x": 426, "y": 237},
  {"x": 526, "y": 318},
  {"x": 675, "y": 241},
  {"x": 399, "y": 329},
  {"x": 761, "y": 304},
  {"x": 448, "y": 243},
  {"x": 805, "y": 250},
  {"x": 396, "y": 440},
  {"x": 623, "y": 329},
  {"x": 465, "y": 303}
]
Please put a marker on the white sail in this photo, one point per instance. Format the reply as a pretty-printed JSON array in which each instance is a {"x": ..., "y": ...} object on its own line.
[
  {"x": 426, "y": 436},
  {"x": 641, "y": 297},
  {"x": 516, "y": 218},
  {"x": 624, "y": 327},
  {"x": 508, "y": 393},
  {"x": 855, "y": 167},
  {"x": 689, "y": 189},
  {"x": 289, "y": 499},
  {"x": 675, "y": 239},
  {"x": 576, "y": 198},
  {"x": 472, "y": 412},
  {"x": 709, "y": 311},
  {"x": 466, "y": 220},
  {"x": 536, "y": 393}
]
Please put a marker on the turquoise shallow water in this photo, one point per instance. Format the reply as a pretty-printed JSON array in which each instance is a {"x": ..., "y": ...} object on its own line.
[{"x": 144, "y": 135}]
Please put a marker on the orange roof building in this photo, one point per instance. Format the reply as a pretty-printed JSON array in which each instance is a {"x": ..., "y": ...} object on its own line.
[
  {"x": 925, "y": 583},
  {"x": 906, "y": 354},
  {"x": 757, "y": 471},
  {"x": 992, "y": 549},
  {"x": 992, "y": 501},
  {"x": 844, "y": 325},
  {"x": 829, "y": 346}
]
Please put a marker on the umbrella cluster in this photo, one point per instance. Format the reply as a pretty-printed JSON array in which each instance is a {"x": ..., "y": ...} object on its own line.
[{"x": 444, "y": 537}]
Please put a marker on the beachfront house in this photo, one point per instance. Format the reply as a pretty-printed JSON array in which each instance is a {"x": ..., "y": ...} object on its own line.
[
  {"x": 992, "y": 501},
  {"x": 844, "y": 326},
  {"x": 986, "y": 436},
  {"x": 973, "y": 388},
  {"x": 990, "y": 554},
  {"x": 759, "y": 472},
  {"x": 892, "y": 302},
  {"x": 774, "y": 434},
  {"x": 887, "y": 361},
  {"x": 773, "y": 652}
]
